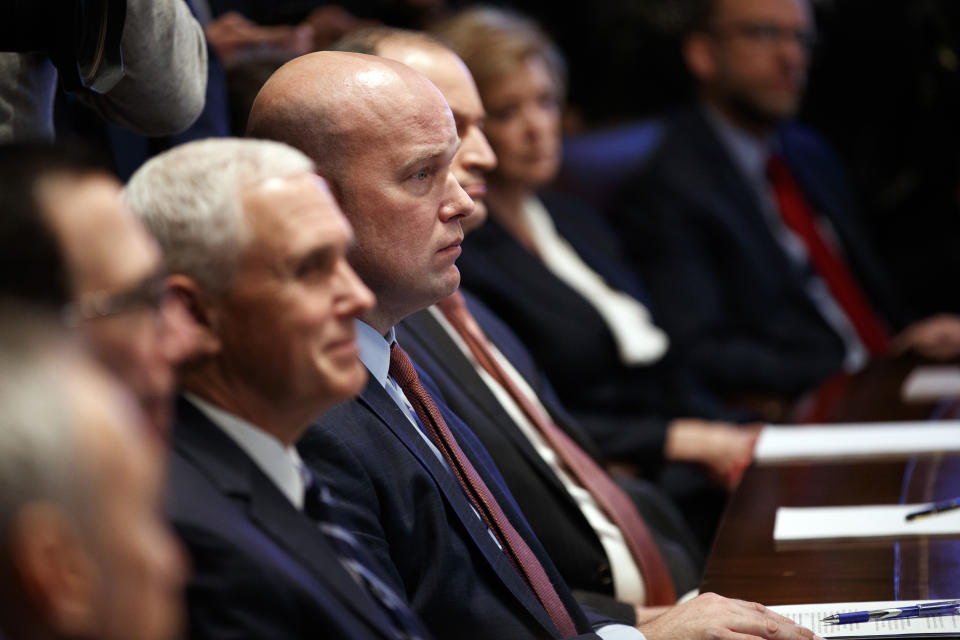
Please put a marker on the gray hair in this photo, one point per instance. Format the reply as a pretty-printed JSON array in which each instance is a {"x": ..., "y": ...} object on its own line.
[
  {"x": 38, "y": 437},
  {"x": 189, "y": 198}
]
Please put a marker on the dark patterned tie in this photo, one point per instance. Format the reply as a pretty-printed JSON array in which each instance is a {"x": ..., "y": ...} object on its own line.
[
  {"x": 320, "y": 507},
  {"x": 617, "y": 504},
  {"x": 800, "y": 217},
  {"x": 526, "y": 563}
]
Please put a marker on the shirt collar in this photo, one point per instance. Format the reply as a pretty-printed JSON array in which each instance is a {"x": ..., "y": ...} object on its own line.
[
  {"x": 749, "y": 152},
  {"x": 281, "y": 464},
  {"x": 375, "y": 350}
]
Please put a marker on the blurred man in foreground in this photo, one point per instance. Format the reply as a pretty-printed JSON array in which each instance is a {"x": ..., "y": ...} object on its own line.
[
  {"x": 69, "y": 242},
  {"x": 84, "y": 552}
]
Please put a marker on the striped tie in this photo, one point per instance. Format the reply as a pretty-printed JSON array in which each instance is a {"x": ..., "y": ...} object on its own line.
[{"x": 320, "y": 507}]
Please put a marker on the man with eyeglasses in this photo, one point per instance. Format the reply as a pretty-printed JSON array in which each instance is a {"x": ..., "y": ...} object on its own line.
[
  {"x": 744, "y": 227},
  {"x": 68, "y": 241}
]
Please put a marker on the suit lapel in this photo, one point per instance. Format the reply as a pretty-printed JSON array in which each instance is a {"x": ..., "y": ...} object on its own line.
[
  {"x": 514, "y": 350},
  {"x": 232, "y": 470},
  {"x": 832, "y": 200},
  {"x": 375, "y": 398},
  {"x": 432, "y": 337},
  {"x": 302, "y": 539},
  {"x": 744, "y": 214}
]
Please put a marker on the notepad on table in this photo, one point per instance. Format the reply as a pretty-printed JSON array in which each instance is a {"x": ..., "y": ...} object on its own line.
[
  {"x": 786, "y": 443},
  {"x": 861, "y": 521},
  {"x": 809, "y": 615},
  {"x": 931, "y": 382}
]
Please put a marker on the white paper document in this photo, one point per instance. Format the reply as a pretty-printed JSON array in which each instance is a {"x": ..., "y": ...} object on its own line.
[
  {"x": 809, "y": 615},
  {"x": 867, "y": 521},
  {"x": 931, "y": 382},
  {"x": 787, "y": 443}
]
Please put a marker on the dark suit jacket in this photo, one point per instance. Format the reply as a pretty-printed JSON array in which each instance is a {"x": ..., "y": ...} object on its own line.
[
  {"x": 625, "y": 409},
  {"x": 547, "y": 505},
  {"x": 723, "y": 288},
  {"x": 416, "y": 518},
  {"x": 261, "y": 569}
]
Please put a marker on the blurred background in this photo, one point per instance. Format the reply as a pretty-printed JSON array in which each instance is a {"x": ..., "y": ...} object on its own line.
[{"x": 884, "y": 89}]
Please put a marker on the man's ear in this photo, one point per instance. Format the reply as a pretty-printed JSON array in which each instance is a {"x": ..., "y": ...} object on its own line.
[
  {"x": 190, "y": 319},
  {"x": 698, "y": 55},
  {"x": 59, "y": 574}
]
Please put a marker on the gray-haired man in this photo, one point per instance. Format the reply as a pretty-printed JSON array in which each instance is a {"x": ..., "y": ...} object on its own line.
[{"x": 256, "y": 249}]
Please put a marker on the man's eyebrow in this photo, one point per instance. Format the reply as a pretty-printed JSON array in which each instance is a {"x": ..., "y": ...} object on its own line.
[
  {"x": 463, "y": 121},
  {"x": 316, "y": 256},
  {"x": 430, "y": 156}
]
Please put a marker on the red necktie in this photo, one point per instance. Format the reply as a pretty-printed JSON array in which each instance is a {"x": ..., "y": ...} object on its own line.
[
  {"x": 800, "y": 217},
  {"x": 617, "y": 504},
  {"x": 526, "y": 563}
]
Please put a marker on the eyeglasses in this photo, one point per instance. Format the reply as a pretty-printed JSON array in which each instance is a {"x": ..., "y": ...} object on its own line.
[
  {"x": 148, "y": 294},
  {"x": 764, "y": 34}
]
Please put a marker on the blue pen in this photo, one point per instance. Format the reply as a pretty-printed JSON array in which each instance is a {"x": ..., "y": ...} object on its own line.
[{"x": 948, "y": 607}]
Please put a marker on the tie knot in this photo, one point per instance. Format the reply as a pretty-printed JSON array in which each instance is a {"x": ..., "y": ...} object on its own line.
[
  {"x": 777, "y": 168},
  {"x": 454, "y": 309},
  {"x": 401, "y": 367},
  {"x": 453, "y": 303},
  {"x": 315, "y": 497}
]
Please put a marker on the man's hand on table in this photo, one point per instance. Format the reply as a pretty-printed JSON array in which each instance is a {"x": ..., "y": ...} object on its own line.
[{"x": 712, "y": 617}]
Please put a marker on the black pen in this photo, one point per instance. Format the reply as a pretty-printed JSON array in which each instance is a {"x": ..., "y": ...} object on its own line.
[{"x": 938, "y": 507}]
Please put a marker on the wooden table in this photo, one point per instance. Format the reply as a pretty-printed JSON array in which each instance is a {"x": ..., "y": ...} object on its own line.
[{"x": 745, "y": 562}]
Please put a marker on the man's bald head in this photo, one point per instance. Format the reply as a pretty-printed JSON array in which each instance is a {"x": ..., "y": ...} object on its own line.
[
  {"x": 439, "y": 64},
  {"x": 384, "y": 138},
  {"x": 329, "y": 103}
]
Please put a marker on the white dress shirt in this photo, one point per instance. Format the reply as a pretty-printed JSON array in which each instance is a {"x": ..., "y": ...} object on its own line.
[{"x": 279, "y": 463}]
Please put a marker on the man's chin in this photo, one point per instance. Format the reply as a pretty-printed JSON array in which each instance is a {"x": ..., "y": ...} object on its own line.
[
  {"x": 777, "y": 108},
  {"x": 450, "y": 284},
  {"x": 767, "y": 112},
  {"x": 352, "y": 382},
  {"x": 783, "y": 110},
  {"x": 159, "y": 414}
]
